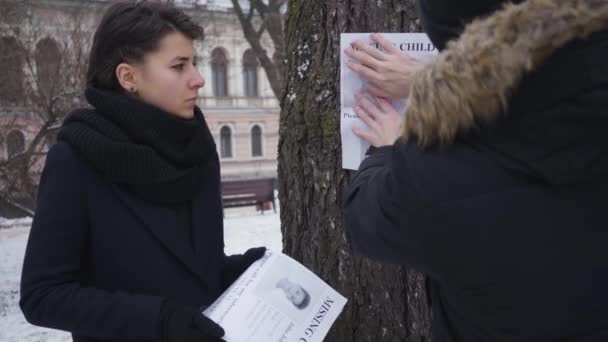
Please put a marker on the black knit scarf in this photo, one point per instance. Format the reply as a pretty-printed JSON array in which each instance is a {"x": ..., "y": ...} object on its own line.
[{"x": 153, "y": 154}]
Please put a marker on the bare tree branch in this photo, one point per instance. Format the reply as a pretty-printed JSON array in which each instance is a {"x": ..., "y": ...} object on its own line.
[
  {"x": 260, "y": 31},
  {"x": 271, "y": 22},
  {"x": 49, "y": 69}
]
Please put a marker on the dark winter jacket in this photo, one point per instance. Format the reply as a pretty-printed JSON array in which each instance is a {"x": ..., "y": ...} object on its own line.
[
  {"x": 100, "y": 259},
  {"x": 502, "y": 204}
]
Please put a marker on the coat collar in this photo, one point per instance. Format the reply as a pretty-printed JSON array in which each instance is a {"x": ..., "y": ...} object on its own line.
[
  {"x": 159, "y": 221},
  {"x": 473, "y": 79}
]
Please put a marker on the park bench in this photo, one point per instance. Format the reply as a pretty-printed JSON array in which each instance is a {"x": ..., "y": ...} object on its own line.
[{"x": 241, "y": 193}]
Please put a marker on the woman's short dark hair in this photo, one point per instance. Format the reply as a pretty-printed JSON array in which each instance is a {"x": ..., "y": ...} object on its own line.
[{"x": 128, "y": 31}]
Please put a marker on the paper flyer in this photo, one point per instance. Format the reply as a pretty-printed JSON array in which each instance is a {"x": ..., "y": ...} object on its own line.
[
  {"x": 417, "y": 45},
  {"x": 277, "y": 300}
]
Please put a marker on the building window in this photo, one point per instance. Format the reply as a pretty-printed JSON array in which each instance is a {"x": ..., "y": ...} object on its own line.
[
  {"x": 250, "y": 73},
  {"x": 256, "y": 141},
  {"x": 48, "y": 62},
  {"x": 219, "y": 70},
  {"x": 15, "y": 143},
  {"x": 12, "y": 60},
  {"x": 226, "y": 142}
]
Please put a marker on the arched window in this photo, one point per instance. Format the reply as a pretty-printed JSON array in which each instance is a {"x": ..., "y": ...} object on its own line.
[
  {"x": 219, "y": 70},
  {"x": 226, "y": 142},
  {"x": 256, "y": 141},
  {"x": 48, "y": 62},
  {"x": 15, "y": 143},
  {"x": 250, "y": 73},
  {"x": 11, "y": 68}
]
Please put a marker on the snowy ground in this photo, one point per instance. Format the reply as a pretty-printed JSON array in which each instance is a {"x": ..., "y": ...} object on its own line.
[{"x": 243, "y": 228}]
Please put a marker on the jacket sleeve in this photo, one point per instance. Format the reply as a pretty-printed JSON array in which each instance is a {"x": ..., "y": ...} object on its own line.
[
  {"x": 400, "y": 208},
  {"x": 373, "y": 217},
  {"x": 52, "y": 291}
]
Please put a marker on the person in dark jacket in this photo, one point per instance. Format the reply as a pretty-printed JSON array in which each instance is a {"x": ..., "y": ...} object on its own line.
[
  {"x": 496, "y": 184},
  {"x": 127, "y": 240}
]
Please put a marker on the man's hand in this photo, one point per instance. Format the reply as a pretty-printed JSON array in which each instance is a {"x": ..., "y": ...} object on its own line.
[
  {"x": 384, "y": 122},
  {"x": 389, "y": 72}
]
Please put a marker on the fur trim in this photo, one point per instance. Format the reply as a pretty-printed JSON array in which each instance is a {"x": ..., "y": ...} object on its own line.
[{"x": 472, "y": 79}]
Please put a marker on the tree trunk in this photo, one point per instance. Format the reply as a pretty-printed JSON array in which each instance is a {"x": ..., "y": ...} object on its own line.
[{"x": 386, "y": 303}]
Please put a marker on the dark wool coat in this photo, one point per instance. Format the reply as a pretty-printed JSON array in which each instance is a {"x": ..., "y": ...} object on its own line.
[
  {"x": 507, "y": 216},
  {"x": 100, "y": 261}
]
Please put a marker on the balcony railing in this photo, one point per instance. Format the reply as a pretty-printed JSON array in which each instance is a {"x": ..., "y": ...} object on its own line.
[{"x": 238, "y": 102}]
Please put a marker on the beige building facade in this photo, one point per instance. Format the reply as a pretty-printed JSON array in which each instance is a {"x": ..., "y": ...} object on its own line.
[{"x": 239, "y": 105}]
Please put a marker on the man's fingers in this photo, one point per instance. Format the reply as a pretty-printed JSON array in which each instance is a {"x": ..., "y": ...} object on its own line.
[
  {"x": 375, "y": 90},
  {"x": 366, "y": 118},
  {"x": 363, "y": 58},
  {"x": 385, "y": 43},
  {"x": 370, "y": 50},
  {"x": 364, "y": 71},
  {"x": 369, "y": 137},
  {"x": 386, "y": 106},
  {"x": 367, "y": 105}
]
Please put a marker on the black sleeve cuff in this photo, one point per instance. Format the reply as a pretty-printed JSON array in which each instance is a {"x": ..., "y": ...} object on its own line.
[{"x": 373, "y": 150}]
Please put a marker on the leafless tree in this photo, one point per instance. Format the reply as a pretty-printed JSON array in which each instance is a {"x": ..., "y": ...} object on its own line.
[
  {"x": 258, "y": 17},
  {"x": 43, "y": 56},
  {"x": 386, "y": 302}
]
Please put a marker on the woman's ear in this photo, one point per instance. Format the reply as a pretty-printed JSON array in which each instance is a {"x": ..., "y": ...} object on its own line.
[{"x": 125, "y": 73}]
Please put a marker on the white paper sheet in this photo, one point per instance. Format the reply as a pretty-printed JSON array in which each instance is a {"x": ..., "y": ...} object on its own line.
[
  {"x": 417, "y": 45},
  {"x": 277, "y": 300}
]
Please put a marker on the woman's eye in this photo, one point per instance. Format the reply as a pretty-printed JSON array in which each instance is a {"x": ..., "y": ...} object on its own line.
[{"x": 178, "y": 67}]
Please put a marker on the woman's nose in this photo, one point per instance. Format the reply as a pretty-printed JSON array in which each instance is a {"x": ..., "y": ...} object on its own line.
[{"x": 197, "y": 80}]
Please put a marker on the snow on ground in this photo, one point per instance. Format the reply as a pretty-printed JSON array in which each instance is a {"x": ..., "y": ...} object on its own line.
[{"x": 243, "y": 228}]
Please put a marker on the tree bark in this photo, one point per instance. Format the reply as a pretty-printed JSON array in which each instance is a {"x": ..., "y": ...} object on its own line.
[{"x": 386, "y": 303}]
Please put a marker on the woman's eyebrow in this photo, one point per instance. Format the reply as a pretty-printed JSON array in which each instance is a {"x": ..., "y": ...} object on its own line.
[{"x": 180, "y": 59}]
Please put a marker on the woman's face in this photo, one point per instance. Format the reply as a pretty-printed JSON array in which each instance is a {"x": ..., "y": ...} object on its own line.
[{"x": 168, "y": 77}]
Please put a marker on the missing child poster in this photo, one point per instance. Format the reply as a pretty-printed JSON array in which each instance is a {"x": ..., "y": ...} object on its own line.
[
  {"x": 277, "y": 300},
  {"x": 416, "y": 45}
]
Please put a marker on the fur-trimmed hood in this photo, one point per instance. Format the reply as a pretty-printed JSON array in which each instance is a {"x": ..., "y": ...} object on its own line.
[{"x": 472, "y": 81}]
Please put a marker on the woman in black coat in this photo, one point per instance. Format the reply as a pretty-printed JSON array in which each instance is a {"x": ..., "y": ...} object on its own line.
[
  {"x": 127, "y": 240},
  {"x": 497, "y": 189}
]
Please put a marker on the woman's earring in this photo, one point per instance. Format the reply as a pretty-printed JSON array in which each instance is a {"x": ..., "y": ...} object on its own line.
[{"x": 132, "y": 89}]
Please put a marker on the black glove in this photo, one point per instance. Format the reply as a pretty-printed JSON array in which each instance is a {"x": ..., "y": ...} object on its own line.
[
  {"x": 235, "y": 265},
  {"x": 184, "y": 324}
]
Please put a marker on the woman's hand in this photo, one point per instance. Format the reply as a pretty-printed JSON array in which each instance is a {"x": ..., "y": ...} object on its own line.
[
  {"x": 389, "y": 72},
  {"x": 385, "y": 123},
  {"x": 180, "y": 323},
  {"x": 235, "y": 265}
]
